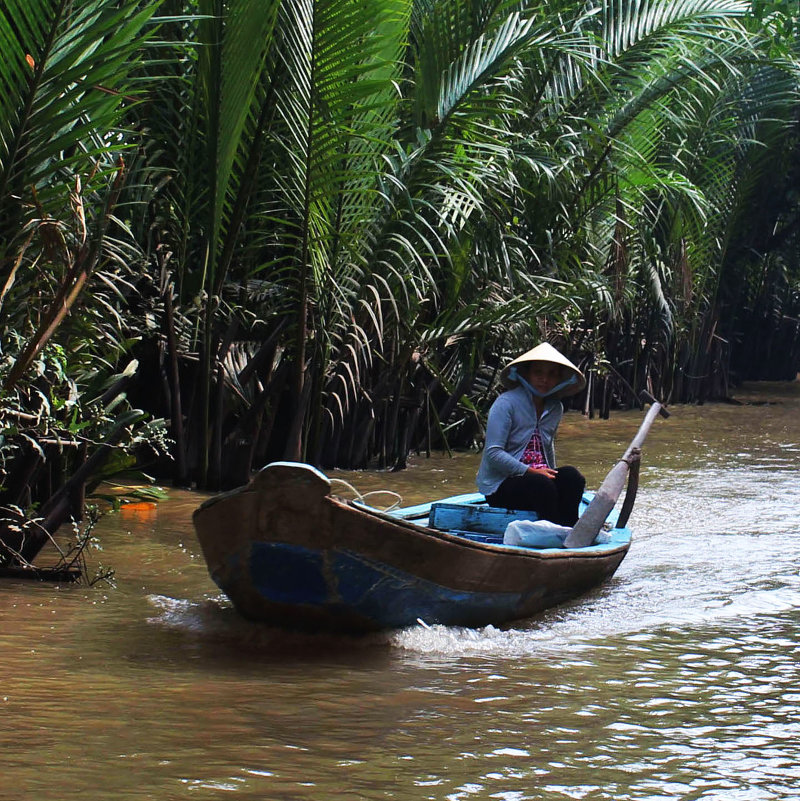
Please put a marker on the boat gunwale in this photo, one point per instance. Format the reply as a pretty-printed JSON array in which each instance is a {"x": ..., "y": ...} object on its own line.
[
  {"x": 495, "y": 548},
  {"x": 396, "y": 519}
]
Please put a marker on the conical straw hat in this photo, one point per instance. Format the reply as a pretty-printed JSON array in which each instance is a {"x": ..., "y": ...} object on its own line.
[{"x": 546, "y": 353}]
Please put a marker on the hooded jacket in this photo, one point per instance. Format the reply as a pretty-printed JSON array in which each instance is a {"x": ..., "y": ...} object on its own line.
[{"x": 511, "y": 422}]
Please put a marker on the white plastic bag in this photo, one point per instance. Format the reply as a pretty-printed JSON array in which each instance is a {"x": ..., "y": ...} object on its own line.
[
  {"x": 535, "y": 534},
  {"x": 542, "y": 534}
]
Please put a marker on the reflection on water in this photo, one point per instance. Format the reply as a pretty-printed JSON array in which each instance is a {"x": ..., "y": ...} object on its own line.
[{"x": 676, "y": 680}]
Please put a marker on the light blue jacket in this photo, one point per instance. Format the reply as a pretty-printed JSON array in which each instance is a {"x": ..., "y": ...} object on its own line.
[{"x": 511, "y": 422}]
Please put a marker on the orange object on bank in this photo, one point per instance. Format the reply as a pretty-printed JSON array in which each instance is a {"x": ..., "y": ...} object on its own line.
[{"x": 140, "y": 509}]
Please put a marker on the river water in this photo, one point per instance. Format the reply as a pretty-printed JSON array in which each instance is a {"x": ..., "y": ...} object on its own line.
[{"x": 679, "y": 679}]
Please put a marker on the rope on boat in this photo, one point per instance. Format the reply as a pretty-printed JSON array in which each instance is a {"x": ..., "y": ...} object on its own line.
[{"x": 362, "y": 497}]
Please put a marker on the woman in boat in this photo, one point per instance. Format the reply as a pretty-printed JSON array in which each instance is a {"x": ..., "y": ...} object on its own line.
[{"x": 518, "y": 468}]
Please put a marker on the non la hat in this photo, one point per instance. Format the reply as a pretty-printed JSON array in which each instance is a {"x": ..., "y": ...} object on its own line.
[{"x": 545, "y": 353}]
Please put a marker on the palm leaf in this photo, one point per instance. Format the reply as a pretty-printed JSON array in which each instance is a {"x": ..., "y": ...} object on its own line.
[{"x": 65, "y": 79}]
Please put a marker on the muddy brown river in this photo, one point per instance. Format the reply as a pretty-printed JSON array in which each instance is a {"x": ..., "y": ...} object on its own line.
[{"x": 678, "y": 679}]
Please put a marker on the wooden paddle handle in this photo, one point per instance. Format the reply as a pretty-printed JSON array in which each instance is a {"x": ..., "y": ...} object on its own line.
[{"x": 591, "y": 521}]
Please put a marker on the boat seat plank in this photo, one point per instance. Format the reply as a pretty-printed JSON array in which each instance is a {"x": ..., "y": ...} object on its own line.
[
  {"x": 422, "y": 509},
  {"x": 476, "y": 519}
]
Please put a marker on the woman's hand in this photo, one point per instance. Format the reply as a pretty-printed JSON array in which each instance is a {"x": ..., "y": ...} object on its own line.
[{"x": 547, "y": 472}]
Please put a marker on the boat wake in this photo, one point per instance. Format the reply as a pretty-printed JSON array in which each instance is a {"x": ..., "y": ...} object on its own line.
[
  {"x": 626, "y": 610},
  {"x": 185, "y": 615},
  {"x": 584, "y": 628},
  {"x": 214, "y": 623}
]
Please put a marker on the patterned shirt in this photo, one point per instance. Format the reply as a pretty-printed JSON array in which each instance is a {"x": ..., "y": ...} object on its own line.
[{"x": 533, "y": 455}]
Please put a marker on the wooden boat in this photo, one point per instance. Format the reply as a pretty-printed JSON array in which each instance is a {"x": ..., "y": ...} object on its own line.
[{"x": 288, "y": 552}]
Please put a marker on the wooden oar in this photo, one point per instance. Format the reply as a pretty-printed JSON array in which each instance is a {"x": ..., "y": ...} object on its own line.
[{"x": 585, "y": 531}]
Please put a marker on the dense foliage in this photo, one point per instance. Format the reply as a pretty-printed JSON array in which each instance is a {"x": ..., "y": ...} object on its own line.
[{"x": 315, "y": 229}]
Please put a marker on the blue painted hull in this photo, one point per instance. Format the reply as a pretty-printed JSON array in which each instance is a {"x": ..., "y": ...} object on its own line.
[
  {"x": 289, "y": 553},
  {"x": 356, "y": 592}
]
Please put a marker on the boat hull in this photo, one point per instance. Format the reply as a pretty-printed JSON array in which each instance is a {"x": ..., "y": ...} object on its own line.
[{"x": 289, "y": 553}]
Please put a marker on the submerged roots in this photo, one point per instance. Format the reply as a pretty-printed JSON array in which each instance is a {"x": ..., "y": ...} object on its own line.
[{"x": 69, "y": 562}]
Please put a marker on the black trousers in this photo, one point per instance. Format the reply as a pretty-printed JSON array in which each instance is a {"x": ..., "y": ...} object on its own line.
[{"x": 555, "y": 499}]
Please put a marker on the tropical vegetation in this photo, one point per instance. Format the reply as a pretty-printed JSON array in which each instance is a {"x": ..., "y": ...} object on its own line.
[{"x": 239, "y": 230}]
